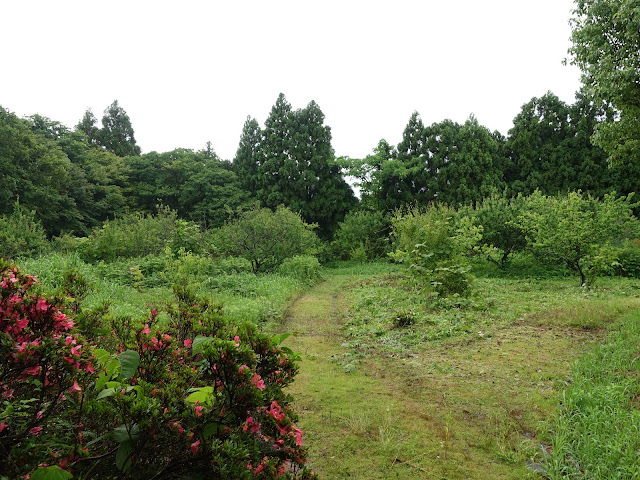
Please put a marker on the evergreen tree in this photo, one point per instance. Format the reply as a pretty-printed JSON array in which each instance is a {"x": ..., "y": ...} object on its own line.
[
  {"x": 116, "y": 134},
  {"x": 247, "y": 161},
  {"x": 88, "y": 126}
]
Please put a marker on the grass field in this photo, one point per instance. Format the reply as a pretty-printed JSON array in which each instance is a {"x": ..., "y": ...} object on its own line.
[{"x": 531, "y": 376}]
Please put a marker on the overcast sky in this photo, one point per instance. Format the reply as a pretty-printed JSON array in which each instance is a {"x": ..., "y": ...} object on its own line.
[{"x": 188, "y": 72}]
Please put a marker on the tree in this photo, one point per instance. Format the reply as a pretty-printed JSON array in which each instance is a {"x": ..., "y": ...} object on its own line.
[
  {"x": 297, "y": 168},
  {"x": 266, "y": 238},
  {"x": 606, "y": 42},
  {"x": 87, "y": 126},
  {"x": 116, "y": 134},
  {"x": 248, "y": 160},
  {"x": 579, "y": 230}
]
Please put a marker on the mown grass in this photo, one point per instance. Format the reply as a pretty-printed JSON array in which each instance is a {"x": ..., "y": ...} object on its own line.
[
  {"x": 596, "y": 433},
  {"x": 395, "y": 385}
]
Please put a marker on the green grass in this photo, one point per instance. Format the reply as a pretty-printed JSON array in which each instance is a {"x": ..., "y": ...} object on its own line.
[
  {"x": 596, "y": 433},
  {"x": 244, "y": 296}
]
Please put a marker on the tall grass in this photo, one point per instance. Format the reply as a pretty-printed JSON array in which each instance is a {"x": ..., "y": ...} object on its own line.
[{"x": 596, "y": 434}]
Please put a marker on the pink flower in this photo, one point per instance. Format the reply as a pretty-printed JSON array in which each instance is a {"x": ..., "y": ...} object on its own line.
[
  {"x": 257, "y": 382},
  {"x": 187, "y": 343},
  {"x": 33, "y": 370},
  {"x": 75, "y": 387},
  {"x": 89, "y": 368},
  {"x": 3, "y": 426},
  {"x": 35, "y": 431},
  {"x": 199, "y": 410},
  {"x": 146, "y": 330},
  {"x": 298, "y": 435},
  {"x": 243, "y": 368},
  {"x": 195, "y": 446},
  {"x": 41, "y": 304},
  {"x": 22, "y": 324}
]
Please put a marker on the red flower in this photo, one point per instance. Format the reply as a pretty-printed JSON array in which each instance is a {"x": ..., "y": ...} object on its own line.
[
  {"x": 75, "y": 387},
  {"x": 35, "y": 431},
  {"x": 42, "y": 304}
]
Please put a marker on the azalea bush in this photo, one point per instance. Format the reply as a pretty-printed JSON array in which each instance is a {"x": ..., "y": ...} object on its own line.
[{"x": 181, "y": 394}]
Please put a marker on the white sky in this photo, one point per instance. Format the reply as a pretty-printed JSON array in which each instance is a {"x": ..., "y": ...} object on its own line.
[{"x": 190, "y": 71}]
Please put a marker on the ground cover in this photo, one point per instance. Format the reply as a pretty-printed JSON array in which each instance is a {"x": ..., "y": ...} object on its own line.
[{"x": 461, "y": 391}]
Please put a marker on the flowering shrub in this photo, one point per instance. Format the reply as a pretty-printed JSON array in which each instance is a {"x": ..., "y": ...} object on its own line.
[{"x": 197, "y": 398}]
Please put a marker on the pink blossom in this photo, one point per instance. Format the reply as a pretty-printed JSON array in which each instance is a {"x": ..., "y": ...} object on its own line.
[
  {"x": 41, "y": 304},
  {"x": 298, "y": 435},
  {"x": 75, "y": 387},
  {"x": 195, "y": 446},
  {"x": 89, "y": 368},
  {"x": 243, "y": 368},
  {"x": 33, "y": 370},
  {"x": 146, "y": 330},
  {"x": 22, "y": 324},
  {"x": 35, "y": 431},
  {"x": 257, "y": 382},
  {"x": 187, "y": 343},
  {"x": 3, "y": 426}
]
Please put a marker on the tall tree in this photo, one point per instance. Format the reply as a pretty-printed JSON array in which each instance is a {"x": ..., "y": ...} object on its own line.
[
  {"x": 297, "y": 167},
  {"x": 88, "y": 126},
  {"x": 247, "y": 161},
  {"x": 606, "y": 46},
  {"x": 116, "y": 134}
]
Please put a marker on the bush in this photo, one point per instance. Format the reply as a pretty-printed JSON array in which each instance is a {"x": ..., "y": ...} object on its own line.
[
  {"x": 433, "y": 244},
  {"x": 266, "y": 238},
  {"x": 361, "y": 236},
  {"x": 138, "y": 235},
  {"x": 21, "y": 235},
  {"x": 302, "y": 267},
  {"x": 198, "y": 398}
]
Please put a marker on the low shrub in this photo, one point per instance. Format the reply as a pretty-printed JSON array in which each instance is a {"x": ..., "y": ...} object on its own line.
[
  {"x": 21, "y": 235},
  {"x": 303, "y": 267}
]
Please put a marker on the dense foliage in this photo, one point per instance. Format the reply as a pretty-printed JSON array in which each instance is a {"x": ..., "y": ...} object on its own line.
[{"x": 196, "y": 397}]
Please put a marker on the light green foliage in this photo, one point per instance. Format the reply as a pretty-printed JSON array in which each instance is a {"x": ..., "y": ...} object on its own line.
[
  {"x": 21, "y": 234},
  {"x": 606, "y": 41},
  {"x": 579, "y": 230},
  {"x": 363, "y": 234},
  {"x": 137, "y": 235},
  {"x": 303, "y": 267},
  {"x": 433, "y": 244},
  {"x": 266, "y": 238}
]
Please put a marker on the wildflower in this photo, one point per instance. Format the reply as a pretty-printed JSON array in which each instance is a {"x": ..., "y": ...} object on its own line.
[
  {"x": 257, "y": 382},
  {"x": 187, "y": 343},
  {"x": 146, "y": 330},
  {"x": 35, "y": 431}
]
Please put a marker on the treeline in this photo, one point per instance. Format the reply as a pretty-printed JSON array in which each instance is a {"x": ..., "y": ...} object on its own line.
[{"x": 73, "y": 180}]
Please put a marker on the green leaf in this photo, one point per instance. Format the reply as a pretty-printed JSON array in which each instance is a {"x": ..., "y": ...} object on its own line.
[
  {"x": 109, "y": 369},
  {"x": 50, "y": 473},
  {"x": 210, "y": 430},
  {"x": 120, "y": 434},
  {"x": 278, "y": 339},
  {"x": 200, "y": 343},
  {"x": 129, "y": 361},
  {"x": 101, "y": 355},
  {"x": 123, "y": 460},
  {"x": 203, "y": 396},
  {"x": 107, "y": 392}
]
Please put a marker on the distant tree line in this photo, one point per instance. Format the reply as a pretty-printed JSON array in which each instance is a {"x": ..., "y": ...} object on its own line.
[{"x": 75, "y": 179}]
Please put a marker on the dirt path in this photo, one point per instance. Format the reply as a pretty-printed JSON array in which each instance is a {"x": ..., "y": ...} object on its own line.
[{"x": 459, "y": 410}]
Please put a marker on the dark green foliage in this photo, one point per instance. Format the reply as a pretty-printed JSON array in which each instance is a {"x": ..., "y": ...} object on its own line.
[
  {"x": 197, "y": 185},
  {"x": 291, "y": 162},
  {"x": 266, "y": 238},
  {"x": 21, "y": 234},
  {"x": 116, "y": 134},
  {"x": 498, "y": 217}
]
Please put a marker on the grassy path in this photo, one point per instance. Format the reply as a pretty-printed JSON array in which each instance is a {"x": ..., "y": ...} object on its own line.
[{"x": 462, "y": 409}]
